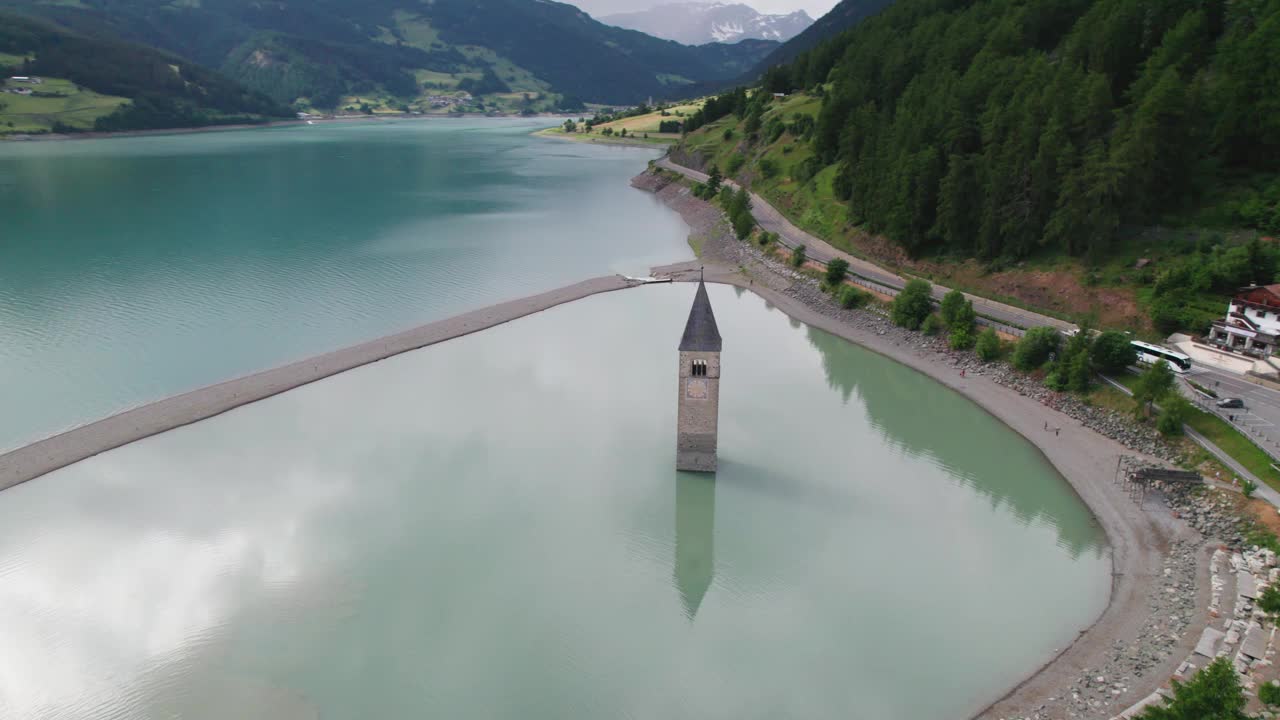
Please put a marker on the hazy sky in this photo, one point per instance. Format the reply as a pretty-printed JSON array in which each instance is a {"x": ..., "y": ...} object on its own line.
[{"x": 815, "y": 8}]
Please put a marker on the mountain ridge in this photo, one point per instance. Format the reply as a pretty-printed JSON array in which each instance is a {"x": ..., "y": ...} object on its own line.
[
  {"x": 398, "y": 53},
  {"x": 80, "y": 83},
  {"x": 699, "y": 23}
]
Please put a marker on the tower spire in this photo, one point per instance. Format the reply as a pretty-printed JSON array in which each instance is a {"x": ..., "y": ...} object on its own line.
[
  {"x": 701, "y": 334},
  {"x": 699, "y": 403}
]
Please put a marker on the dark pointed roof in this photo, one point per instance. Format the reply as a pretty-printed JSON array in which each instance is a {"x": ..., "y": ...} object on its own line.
[{"x": 701, "y": 333}]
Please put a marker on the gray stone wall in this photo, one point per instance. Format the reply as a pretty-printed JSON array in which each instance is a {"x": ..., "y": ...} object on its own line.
[{"x": 698, "y": 424}]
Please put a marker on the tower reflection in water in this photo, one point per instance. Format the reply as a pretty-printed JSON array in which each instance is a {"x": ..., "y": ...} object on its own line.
[{"x": 695, "y": 538}]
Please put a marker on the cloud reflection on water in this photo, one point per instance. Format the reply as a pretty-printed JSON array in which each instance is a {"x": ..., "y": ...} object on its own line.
[{"x": 493, "y": 527}]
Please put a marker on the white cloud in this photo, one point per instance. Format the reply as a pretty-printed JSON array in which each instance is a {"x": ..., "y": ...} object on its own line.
[{"x": 598, "y": 8}]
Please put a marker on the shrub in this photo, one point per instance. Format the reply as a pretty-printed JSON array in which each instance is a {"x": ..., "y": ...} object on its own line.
[
  {"x": 957, "y": 313},
  {"x": 1212, "y": 693},
  {"x": 804, "y": 171},
  {"x": 1248, "y": 487},
  {"x": 988, "y": 345},
  {"x": 1207, "y": 391},
  {"x": 728, "y": 135},
  {"x": 962, "y": 338},
  {"x": 801, "y": 126},
  {"x": 932, "y": 325},
  {"x": 912, "y": 305},
  {"x": 836, "y": 270},
  {"x": 1079, "y": 372},
  {"x": 714, "y": 178},
  {"x": 768, "y": 237},
  {"x": 1112, "y": 352},
  {"x": 768, "y": 168},
  {"x": 798, "y": 257},
  {"x": 1154, "y": 383},
  {"x": 1035, "y": 347},
  {"x": 952, "y": 305},
  {"x": 1173, "y": 413},
  {"x": 734, "y": 164},
  {"x": 743, "y": 224},
  {"x": 740, "y": 202},
  {"x": 851, "y": 297},
  {"x": 1269, "y": 600}
]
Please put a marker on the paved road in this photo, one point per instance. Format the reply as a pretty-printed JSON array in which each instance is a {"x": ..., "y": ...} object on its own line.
[
  {"x": 772, "y": 220},
  {"x": 1264, "y": 491},
  {"x": 1260, "y": 417}
]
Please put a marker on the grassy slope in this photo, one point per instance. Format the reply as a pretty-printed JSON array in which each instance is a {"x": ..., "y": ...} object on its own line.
[
  {"x": 1222, "y": 434},
  {"x": 598, "y": 139},
  {"x": 1112, "y": 294},
  {"x": 77, "y": 107},
  {"x": 418, "y": 32},
  {"x": 637, "y": 127},
  {"x": 1233, "y": 443}
]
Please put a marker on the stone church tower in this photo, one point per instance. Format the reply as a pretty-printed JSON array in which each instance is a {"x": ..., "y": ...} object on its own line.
[{"x": 696, "y": 427}]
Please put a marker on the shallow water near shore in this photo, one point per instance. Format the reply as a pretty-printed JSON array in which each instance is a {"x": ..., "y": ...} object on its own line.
[
  {"x": 136, "y": 268},
  {"x": 492, "y": 527}
]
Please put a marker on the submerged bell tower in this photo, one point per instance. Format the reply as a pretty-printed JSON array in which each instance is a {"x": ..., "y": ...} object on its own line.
[{"x": 697, "y": 425}]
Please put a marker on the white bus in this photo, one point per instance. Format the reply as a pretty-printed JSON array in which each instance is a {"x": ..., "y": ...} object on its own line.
[{"x": 1149, "y": 354}]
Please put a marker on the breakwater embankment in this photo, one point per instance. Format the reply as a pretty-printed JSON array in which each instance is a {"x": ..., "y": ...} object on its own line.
[{"x": 44, "y": 456}]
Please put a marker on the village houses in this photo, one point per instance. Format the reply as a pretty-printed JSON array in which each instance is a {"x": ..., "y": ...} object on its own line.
[{"x": 1252, "y": 323}]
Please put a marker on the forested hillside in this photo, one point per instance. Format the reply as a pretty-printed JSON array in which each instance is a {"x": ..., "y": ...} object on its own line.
[
  {"x": 327, "y": 52},
  {"x": 999, "y": 127},
  {"x": 1119, "y": 158},
  {"x": 165, "y": 91}
]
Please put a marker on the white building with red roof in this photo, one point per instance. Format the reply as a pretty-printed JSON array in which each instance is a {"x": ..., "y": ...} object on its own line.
[{"x": 1252, "y": 324}]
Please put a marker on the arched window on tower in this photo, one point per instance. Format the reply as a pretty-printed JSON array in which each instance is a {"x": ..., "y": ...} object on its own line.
[{"x": 699, "y": 368}]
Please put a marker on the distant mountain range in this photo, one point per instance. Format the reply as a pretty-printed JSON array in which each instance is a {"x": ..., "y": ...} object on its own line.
[
  {"x": 517, "y": 54},
  {"x": 842, "y": 17},
  {"x": 81, "y": 83},
  {"x": 698, "y": 23}
]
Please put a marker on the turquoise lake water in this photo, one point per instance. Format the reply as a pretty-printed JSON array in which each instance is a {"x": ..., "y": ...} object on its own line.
[
  {"x": 136, "y": 268},
  {"x": 492, "y": 528}
]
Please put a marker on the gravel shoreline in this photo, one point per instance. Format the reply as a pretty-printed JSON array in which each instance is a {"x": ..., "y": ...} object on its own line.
[{"x": 1159, "y": 588}]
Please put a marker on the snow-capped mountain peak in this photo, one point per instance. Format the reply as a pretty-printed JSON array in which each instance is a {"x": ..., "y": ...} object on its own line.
[{"x": 697, "y": 23}]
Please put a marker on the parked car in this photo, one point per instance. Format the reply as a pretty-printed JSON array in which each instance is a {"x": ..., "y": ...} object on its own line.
[{"x": 1229, "y": 403}]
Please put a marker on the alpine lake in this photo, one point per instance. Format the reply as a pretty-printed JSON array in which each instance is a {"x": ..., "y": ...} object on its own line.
[{"x": 491, "y": 527}]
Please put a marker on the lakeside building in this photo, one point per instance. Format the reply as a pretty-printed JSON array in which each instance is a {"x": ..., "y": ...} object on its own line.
[{"x": 1252, "y": 324}]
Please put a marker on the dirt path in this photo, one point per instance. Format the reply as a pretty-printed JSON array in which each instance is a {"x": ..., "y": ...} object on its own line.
[{"x": 36, "y": 459}]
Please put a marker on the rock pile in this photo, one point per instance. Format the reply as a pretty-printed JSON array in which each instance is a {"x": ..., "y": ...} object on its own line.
[{"x": 1208, "y": 510}]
